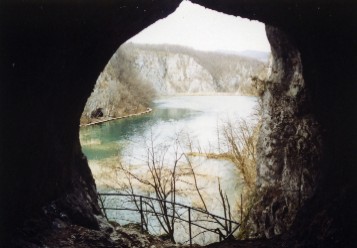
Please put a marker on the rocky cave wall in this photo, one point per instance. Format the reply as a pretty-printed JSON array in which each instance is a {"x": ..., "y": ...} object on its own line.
[
  {"x": 306, "y": 143},
  {"x": 51, "y": 55},
  {"x": 289, "y": 145}
]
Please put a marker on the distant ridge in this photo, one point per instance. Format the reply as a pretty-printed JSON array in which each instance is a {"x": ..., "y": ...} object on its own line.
[
  {"x": 262, "y": 56},
  {"x": 253, "y": 54}
]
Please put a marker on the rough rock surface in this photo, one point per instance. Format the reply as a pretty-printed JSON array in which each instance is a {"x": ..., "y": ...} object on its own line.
[
  {"x": 52, "y": 53},
  {"x": 62, "y": 234},
  {"x": 289, "y": 145}
]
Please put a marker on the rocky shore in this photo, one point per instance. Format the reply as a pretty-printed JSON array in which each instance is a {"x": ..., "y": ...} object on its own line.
[{"x": 106, "y": 119}]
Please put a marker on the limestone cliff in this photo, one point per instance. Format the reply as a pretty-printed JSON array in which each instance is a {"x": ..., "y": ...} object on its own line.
[
  {"x": 136, "y": 73},
  {"x": 174, "y": 69}
]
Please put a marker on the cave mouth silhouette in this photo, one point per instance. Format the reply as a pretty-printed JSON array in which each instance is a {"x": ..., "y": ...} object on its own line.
[
  {"x": 54, "y": 48},
  {"x": 165, "y": 46}
]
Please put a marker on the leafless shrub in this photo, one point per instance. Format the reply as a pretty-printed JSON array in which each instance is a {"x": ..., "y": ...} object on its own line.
[
  {"x": 240, "y": 139},
  {"x": 161, "y": 180},
  {"x": 164, "y": 180}
]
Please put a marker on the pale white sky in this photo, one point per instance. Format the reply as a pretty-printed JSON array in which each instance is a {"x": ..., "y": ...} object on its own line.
[{"x": 204, "y": 29}]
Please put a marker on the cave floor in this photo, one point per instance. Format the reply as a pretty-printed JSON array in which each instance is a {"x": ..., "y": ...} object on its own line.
[
  {"x": 254, "y": 243},
  {"x": 73, "y": 236}
]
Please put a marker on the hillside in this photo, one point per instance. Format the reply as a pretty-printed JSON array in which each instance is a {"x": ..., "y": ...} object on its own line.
[
  {"x": 137, "y": 73},
  {"x": 175, "y": 69}
]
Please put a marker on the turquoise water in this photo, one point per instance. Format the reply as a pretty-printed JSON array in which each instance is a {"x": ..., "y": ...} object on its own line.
[
  {"x": 197, "y": 115},
  {"x": 109, "y": 139},
  {"x": 129, "y": 139}
]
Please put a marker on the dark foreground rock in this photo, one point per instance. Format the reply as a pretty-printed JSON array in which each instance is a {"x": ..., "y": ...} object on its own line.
[
  {"x": 74, "y": 236},
  {"x": 53, "y": 51}
]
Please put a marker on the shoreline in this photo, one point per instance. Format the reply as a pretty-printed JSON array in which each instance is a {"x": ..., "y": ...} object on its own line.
[{"x": 148, "y": 110}]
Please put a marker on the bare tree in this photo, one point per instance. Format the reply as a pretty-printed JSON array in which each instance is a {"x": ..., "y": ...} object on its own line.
[
  {"x": 225, "y": 224},
  {"x": 240, "y": 140},
  {"x": 167, "y": 165},
  {"x": 162, "y": 180}
]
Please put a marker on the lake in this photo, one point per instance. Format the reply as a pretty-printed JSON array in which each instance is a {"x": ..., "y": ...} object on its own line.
[{"x": 176, "y": 125}]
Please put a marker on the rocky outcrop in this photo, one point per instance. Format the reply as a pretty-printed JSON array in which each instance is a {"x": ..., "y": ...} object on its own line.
[{"x": 289, "y": 145}]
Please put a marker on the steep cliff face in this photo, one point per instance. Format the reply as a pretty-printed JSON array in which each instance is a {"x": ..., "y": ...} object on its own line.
[
  {"x": 136, "y": 73},
  {"x": 173, "y": 69},
  {"x": 119, "y": 91},
  {"x": 171, "y": 73}
]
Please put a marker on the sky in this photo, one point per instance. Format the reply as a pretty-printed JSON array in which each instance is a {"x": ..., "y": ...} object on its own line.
[{"x": 205, "y": 29}]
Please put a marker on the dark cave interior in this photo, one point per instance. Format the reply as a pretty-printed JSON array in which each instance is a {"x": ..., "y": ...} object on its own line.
[{"x": 52, "y": 53}]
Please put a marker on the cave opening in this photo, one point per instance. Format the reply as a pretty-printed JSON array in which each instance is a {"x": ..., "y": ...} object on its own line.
[
  {"x": 187, "y": 95},
  {"x": 52, "y": 55}
]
